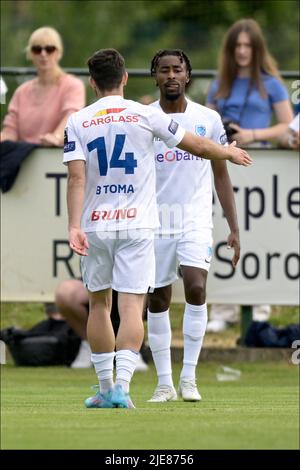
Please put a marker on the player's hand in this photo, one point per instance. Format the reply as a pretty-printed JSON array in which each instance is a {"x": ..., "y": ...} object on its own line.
[
  {"x": 78, "y": 241},
  {"x": 242, "y": 136},
  {"x": 294, "y": 140},
  {"x": 233, "y": 241},
  {"x": 238, "y": 156}
]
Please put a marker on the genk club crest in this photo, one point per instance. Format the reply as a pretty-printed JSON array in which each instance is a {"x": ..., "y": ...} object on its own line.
[{"x": 200, "y": 130}]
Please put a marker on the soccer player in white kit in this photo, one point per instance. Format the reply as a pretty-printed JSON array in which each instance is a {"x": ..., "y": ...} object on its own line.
[
  {"x": 113, "y": 213},
  {"x": 184, "y": 196}
]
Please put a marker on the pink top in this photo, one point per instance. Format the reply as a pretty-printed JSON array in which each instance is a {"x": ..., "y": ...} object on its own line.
[{"x": 31, "y": 114}]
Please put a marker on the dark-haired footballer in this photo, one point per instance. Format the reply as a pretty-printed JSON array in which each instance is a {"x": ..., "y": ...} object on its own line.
[
  {"x": 184, "y": 196},
  {"x": 112, "y": 214}
]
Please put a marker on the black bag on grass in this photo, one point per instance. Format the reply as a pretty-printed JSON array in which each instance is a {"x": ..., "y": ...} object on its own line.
[
  {"x": 49, "y": 343},
  {"x": 264, "y": 335}
]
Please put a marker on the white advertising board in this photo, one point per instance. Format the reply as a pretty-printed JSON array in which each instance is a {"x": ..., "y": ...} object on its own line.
[{"x": 35, "y": 256}]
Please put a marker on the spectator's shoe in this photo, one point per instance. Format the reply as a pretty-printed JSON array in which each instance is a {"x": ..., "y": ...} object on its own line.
[
  {"x": 83, "y": 358},
  {"x": 216, "y": 326},
  {"x": 261, "y": 312},
  {"x": 141, "y": 365},
  {"x": 100, "y": 400},
  {"x": 121, "y": 399},
  {"x": 163, "y": 393},
  {"x": 187, "y": 389}
]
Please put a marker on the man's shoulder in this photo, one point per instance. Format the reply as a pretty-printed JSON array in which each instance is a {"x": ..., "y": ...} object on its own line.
[
  {"x": 148, "y": 111},
  {"x": 155, "y": 104},
  {"x": 100, "y": 109},
  {"x": 83, "y": 113},
  {"x": 136, "y": 106},
  {"x": 206, "y": 112},
  {"x": 146, "y": 108}
]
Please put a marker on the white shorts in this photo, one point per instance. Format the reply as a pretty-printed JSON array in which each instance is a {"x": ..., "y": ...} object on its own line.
[
  {"x": 192, "y": 249},
  {"x": 125, "y": 265}
]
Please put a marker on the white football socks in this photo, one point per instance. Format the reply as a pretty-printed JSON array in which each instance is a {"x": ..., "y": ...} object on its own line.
[
  {"x": 125, "y": 365},
  {"x": 159, "y": 337},
  {"x": 194, "y": 325},
  {"x": 104, "y": 366}
]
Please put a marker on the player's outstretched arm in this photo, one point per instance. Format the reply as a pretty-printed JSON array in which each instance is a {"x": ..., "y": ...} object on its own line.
[{"x": 206, "y": 148}]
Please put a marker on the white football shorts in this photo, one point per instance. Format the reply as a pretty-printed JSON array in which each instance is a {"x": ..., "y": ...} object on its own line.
[
  {"x": 187, "y": 249},
  {"x": 124, "y": 264}
]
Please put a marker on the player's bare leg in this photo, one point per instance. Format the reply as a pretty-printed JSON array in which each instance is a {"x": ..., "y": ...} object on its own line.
[
  {"x": 101, "y": 337},
  {"x": 100, "y": 332},
  {"x": 128, "y": 343}
]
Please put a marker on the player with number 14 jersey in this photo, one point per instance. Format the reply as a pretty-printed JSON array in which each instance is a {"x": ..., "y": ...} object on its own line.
[{"x": 114, "y": 136}]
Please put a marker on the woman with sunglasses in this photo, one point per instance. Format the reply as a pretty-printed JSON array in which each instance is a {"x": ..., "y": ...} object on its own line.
[{"x": 39, "y": 108}]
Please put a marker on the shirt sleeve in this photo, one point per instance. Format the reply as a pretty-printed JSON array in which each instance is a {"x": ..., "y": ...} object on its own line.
[
  {"x": 277, "y": 91},
  {"x": 294, "y": 125},
  {"x": 73, "y": 95},
  {"x": 72, "y": 146},
  {"x": 10, "y": 122},
  {"x": 166, "y": 128},
  {"x": 211, "y": 93},
  {"x": 219, "y": 135}
]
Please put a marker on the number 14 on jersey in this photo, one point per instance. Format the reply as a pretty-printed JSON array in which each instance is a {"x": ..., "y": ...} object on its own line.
[{"x": 128, "y": 163}]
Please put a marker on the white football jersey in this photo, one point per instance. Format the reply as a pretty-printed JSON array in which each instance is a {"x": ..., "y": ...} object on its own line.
[
  {"x": 183, "y": 181},
  {"x": 114, "y": 136}
]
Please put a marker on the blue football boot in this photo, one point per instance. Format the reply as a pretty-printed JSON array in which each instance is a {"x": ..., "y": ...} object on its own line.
[
  {"x": 100, "y": 400},
  {"x": 121, "y": 399}
]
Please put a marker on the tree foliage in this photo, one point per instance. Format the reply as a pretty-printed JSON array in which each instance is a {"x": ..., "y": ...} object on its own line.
[{"x": 138, "y": 28}]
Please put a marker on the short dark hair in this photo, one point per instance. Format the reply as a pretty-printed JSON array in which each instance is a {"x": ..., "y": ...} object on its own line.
[
  {"x": 177, "y": 52},
  {"x": 107, "y": 68}
]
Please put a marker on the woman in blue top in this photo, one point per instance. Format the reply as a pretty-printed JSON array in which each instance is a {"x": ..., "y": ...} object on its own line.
[
  {"x": 249, "y": 88},
  {"x": 247, "y": 92}
]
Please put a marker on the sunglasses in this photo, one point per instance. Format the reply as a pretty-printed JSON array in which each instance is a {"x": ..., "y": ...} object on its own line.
[{"x": 38, "y": 49}]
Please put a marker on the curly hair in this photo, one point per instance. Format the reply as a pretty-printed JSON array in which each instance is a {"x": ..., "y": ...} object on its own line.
[{"x": 176, "y": 52}]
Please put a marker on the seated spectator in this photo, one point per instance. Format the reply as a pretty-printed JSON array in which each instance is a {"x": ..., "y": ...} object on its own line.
[
  {"x": 72, "y": 303},
  {"x": 247, "y": 92},
  {"x": 290, "y": 138},
  {"x": 39, "y": 108}
]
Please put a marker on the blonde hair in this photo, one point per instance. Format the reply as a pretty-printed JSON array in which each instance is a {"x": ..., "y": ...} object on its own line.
[
  {"x": 262, "y": 61},
  {"x": 40, "y": 34}
]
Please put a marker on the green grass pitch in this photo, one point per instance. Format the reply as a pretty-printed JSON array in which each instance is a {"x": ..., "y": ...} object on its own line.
[{"x": 42, "y": 408}]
